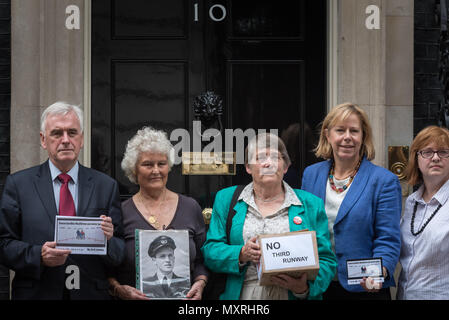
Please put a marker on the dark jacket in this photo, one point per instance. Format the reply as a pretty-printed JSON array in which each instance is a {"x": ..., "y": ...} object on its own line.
[{"x": 27, "y": 217}]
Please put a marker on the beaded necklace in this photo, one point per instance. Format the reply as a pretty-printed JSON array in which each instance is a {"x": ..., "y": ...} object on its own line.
[
  {"x": 346, "y": 186},
  {"x": 412, "y": 222}
]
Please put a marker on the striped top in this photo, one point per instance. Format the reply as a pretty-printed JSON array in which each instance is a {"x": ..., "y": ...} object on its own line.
[{"x": 425, "y": 257}]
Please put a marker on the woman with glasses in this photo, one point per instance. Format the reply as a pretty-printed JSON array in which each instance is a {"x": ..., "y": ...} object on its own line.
[
  {"x": 268, "y": 205},
  {"x": 425, "y": 223},
  {"x": 362, "y": 201}
]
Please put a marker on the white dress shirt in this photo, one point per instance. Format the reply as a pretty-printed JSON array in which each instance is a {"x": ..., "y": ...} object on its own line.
[{"x": 425, "y": 257}]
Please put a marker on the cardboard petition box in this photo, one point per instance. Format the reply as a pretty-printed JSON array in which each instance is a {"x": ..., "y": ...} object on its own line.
[{"x": 290, "y": 253}]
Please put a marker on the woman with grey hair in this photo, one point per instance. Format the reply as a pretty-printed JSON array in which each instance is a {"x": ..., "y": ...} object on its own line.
[
  {"x": 268, "y": 205},
  {"x": 147, "y": 162}
]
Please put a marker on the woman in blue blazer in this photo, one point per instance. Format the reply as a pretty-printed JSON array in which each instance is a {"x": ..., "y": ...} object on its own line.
[{"x": 362, "y": 201}]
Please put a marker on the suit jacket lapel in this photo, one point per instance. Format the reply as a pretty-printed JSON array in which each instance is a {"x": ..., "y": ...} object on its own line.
[
  {"x": 44, "y": 188},
  {"x": 355, "y": 191},
  {"x": 85, "y": 188}
]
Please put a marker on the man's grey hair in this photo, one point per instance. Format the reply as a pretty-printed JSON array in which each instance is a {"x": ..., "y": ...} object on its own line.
[{"x": 62, "y": 108}]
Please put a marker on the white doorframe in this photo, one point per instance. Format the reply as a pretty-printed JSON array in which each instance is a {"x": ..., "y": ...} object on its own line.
[
  {"x": 87, "y": 83},
  {"x": 332, "y": 54}
]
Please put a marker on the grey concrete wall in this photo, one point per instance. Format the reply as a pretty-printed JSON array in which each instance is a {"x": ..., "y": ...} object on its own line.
[
  {"x": 376, "y": 69},
  {"x": 47, "y": 66}
]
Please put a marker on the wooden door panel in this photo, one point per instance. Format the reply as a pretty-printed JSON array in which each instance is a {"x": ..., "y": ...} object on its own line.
[
  {"x": 151, "y": 58},
  {"x": 144, "y": 19},
  {"x": 266, "y": 20},
  {"x": 268, "y": 95},
  {"x": 147, "y": 93},
  {"x": 140, "y": 77}
]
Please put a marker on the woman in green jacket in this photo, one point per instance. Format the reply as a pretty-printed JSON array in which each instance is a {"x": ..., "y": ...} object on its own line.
[{"x": 268, "y": 205}]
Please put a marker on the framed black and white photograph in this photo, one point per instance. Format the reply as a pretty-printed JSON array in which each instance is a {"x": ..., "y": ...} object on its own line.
[{"x": 162, "y": 263}]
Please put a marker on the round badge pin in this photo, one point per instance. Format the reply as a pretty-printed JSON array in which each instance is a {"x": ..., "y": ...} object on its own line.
[{"x": 297, "y": 220}]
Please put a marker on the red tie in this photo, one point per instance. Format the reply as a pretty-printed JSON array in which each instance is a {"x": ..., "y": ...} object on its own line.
[{"x": 66, "y": 204}]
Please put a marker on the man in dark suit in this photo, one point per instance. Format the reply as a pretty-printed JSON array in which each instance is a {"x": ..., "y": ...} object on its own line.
[
  {"x": 31, "y": 200},
  {"x": 164, "y": 283}
]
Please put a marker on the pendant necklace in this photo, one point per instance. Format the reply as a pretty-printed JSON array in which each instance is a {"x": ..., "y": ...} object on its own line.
[{"x": 152, "y": 219}]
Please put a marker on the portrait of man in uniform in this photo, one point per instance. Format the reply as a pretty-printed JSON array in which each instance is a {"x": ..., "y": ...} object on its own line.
[{"x": 163, "y": 282}]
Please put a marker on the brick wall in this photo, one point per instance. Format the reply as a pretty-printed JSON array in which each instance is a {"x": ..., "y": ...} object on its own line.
[
  {"x": 5, "y": 107},
  {"x": 427, "y": 90}
]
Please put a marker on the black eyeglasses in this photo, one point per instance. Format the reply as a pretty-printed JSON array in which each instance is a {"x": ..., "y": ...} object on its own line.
[{"x": 428, "y": 154}]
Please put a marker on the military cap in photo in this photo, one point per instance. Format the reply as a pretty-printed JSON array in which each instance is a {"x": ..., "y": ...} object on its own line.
[{"x": 159, "y": 243}]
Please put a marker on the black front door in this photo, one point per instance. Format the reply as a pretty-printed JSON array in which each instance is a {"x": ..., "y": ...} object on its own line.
[{"x": 150, "y": 59}]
